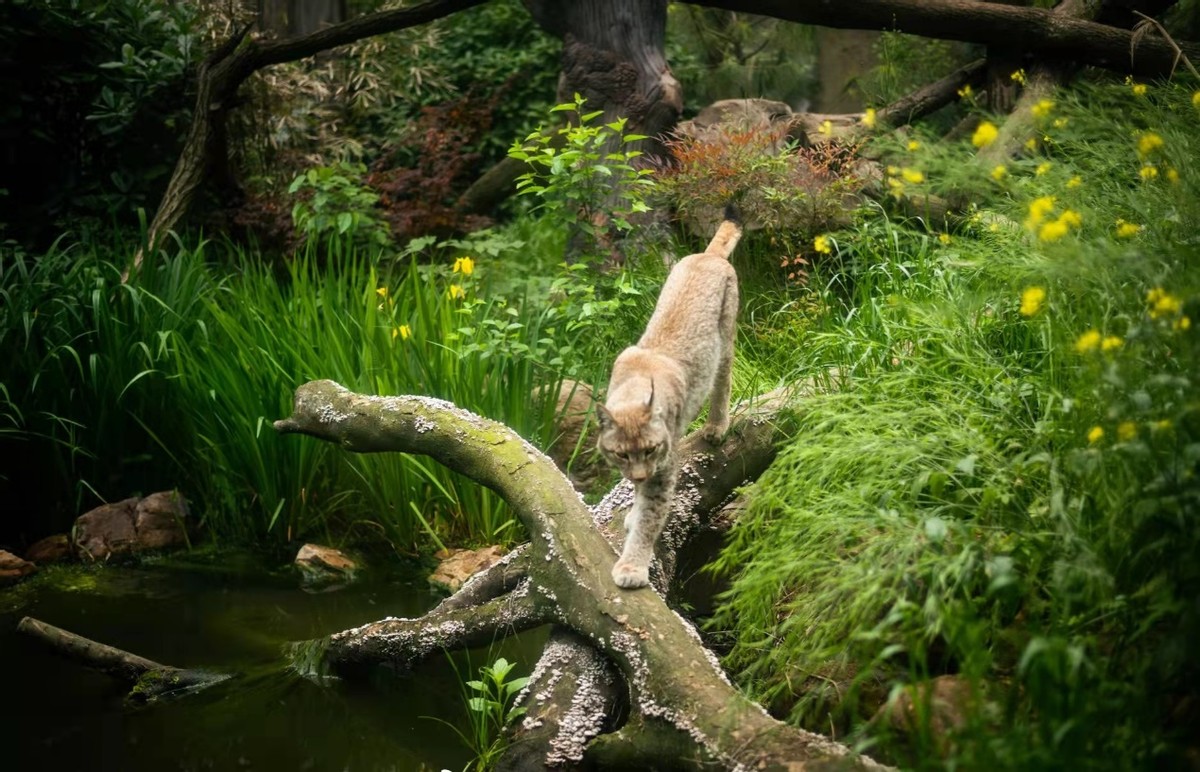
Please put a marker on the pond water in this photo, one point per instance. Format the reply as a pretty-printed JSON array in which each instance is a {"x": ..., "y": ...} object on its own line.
[{"x": 61, "y": 716}]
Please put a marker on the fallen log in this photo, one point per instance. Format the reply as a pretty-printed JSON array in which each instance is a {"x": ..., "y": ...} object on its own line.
[
  {"x": 673, "y": 687},
  {"x": 148, "y": 680}
]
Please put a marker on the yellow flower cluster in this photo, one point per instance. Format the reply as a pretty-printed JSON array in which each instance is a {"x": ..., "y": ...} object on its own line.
[
  {"x": 999, "y": 172},
  {"x": 985, "y": 134},
  {"x": 826, "y": 128},
  {"x": 1126, "y": 230},
  {"x": 913, "y": 144},
  {"x": 464, "y": 265},
  {"x": 966, "y": 92},
  {"x": 1060, "y": 123},
  {"x": 1095, "y": 434},
  {"x": 896, "y": 179},
  {"x": 1126, "y": 431},
  {"x": 1018, "y": 76},
  {"x": 1074, "y": 182},
  {"x": 1042, "y": 168},
  {"x": 868, "y": 118},
  {"x": 456, "y": 292},
  {"x": 1050, "y": 230},
  {"x": 1163, "y": 304},
  {"x": 1032, "y": 299},
  {"x": 1092, "y": 340},
  {"x": 823, "y": 245},
  {"x": 1147, "y": 143},
  {"x": 944, "y": 238},
  {"x": 1148, "y": 172},
  {"x": 404, "y": 332},
  {"x": 1042, "y": 108}
]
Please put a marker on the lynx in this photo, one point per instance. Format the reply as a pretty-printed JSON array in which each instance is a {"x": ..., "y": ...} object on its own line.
[{"x": 659, "y": 385}]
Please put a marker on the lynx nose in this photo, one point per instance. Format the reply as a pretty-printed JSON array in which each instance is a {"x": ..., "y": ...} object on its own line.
[{"x": 638, "y": 475}]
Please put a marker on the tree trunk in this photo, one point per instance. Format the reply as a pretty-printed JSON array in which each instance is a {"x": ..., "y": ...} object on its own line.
[
  {"x": 613, "y": 55},
  {"x": 676, "y": 693},
  {"x": 843, "y": 56}
]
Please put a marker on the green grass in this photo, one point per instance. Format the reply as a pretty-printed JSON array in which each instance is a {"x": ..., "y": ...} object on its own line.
[
  {"x": 174, "y": 380},
  {"x": 954, "y": 511}
]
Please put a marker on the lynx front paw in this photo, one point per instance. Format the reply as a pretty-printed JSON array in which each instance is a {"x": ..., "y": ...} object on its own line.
[
  {"x": 630, "y": 576},
  {"x": 714, "y": 433}
]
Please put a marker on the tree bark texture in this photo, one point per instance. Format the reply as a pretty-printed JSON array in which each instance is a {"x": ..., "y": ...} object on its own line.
[
  {"x": 674, "y": 689},
  {"x": 1037, "y": 30},
  {"x": 614, "y": 55}
]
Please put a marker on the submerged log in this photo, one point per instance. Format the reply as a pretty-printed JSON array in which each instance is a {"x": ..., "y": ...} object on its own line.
[
  {"x": 673, "y": 687},
  {"x": 148, "y": 680}
]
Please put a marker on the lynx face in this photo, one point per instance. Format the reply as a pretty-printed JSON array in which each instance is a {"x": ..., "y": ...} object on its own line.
[{"x": 636, "y": 441}]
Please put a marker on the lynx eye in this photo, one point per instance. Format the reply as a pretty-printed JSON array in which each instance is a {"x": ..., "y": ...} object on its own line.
[{"x": 622, "y": 455}]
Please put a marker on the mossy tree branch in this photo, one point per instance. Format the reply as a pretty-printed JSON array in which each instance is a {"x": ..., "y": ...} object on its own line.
[{"x": 672, "y": 682}]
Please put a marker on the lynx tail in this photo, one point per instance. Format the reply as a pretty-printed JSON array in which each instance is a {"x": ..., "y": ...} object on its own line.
[{"x": 728, "y": 234}]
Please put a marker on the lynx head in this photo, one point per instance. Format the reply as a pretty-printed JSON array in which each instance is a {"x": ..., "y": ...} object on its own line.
[{"x": 634, "y": 436}]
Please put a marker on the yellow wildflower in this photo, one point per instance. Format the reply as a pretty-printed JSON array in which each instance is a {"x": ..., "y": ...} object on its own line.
[
  {"x": 1018, "y": 76},
  {"x": 1126, "y": 431},
  {"x": 1031, "y": 143},
  {"x": 915, "y": 176},
  {"x": 868, "y": 118},
  {"x": 1172, "y": 174},
  {"x": 1139, "y": 89},
  {"x": 1074, "y": 182},
  {"x": 892, "y": 170},
  {"x": 966, "y": 92},
  {"x": 1127, "y": 230},
  {"x": 896, "y": 187},
  {"x": 403, "y": 331},
  {"x": 1162, "y": 303},
  {"x": 1038, "y": 209},
  {"x": 464, "y": 265},
  {"x": 456, "y": 292},
  {"x": 822, "y": 244},
  {"x": 1089, "y": 341},
  {"x": 1042, "y": 108},
  {"x": 1053, "y": 231},
  {"x": 1111, "y": 343},
  {"x": 1095, "y": 434},
  {"x": 1163, "y": 424},
  {"x": 1031, "y": 300},
  {"x": 913, "y": 144},
  {"x": 1071, "y": 217},
  {"x": 1060, "y": 123},
  {"x": 1148, "y": 172},
  {"x": 826, "y": 127},
  {"x": 985, "y": 134},
  {"x": 944, "y": 238},
  {"x": 999, "y": 172},
  {"x": 1042, "y": 168},
  {"x": 1182, "y": 323},
  {"x": 1147, "y": 143},
  {"x": 381, "y": 292}
]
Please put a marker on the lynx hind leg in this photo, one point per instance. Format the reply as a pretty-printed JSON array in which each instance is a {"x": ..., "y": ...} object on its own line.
[
  {"x": 652, "y": 504},
  {"x": 718, "y": 400}
]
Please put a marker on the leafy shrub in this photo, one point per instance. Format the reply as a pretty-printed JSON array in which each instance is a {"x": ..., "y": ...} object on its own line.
[
  {"x": 332, "y": 201},
  {"x": 778, "y": 185},
  {"x": 92, "y": 124},
  {"x": 584, "y": 175}
]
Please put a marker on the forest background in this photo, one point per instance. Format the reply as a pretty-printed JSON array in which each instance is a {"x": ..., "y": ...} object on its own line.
[{"x": 997, "y": 482}]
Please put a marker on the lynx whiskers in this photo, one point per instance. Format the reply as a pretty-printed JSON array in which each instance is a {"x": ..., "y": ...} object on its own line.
[{"x": 659, "y": 385}]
